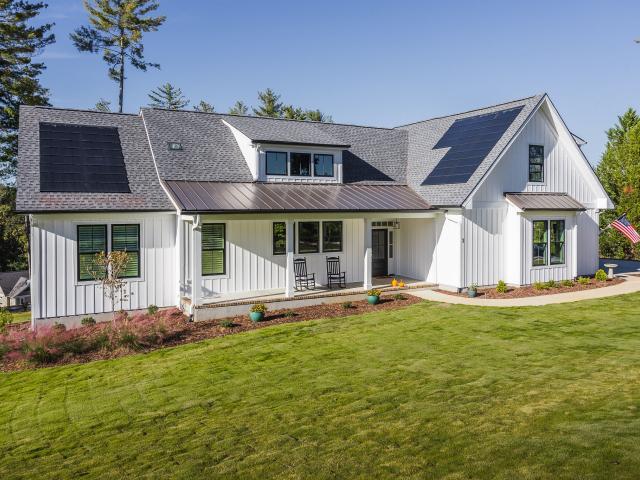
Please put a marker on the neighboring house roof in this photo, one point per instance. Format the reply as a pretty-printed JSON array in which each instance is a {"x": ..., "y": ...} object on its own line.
[
  {"x": 195, "y": 197},
  {"x": 21, "y": 288},
  {"x": 289, "y": 132},
  {"x": 424, "y": 156},
  {"x": 543, "y": 201},
  {"x": 146, "y": 192},
  {"x": 8, "y": 280}
]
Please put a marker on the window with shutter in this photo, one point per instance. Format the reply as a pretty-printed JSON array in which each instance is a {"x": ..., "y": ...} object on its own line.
[
  {"x": 92, "y": 239},
  {"x": 213, "y": 249},
  {"x": 126, "y": 238}
]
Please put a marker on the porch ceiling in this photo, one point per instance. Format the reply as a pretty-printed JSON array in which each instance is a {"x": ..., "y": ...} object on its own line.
[{"x": 227, "y": 197}]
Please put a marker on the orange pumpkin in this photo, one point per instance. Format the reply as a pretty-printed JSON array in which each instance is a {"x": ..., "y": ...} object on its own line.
[
  {"x": 401, "y": 284},
  {"x": 394, "y": 283}
]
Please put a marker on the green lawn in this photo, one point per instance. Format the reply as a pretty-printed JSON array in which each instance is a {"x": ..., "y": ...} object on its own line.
[
  {"x": 20, "y": 317},
  {"x": 431, "y": 391}
]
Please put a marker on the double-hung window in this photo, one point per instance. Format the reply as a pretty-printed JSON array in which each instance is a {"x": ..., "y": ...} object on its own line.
[
  {"x": 308, "y": 237},
  {"x": 536, "y": 163},
  {"x": 213, "y": 249},
  {"x": 126, "y": 238},
  {"x": 548, "y": 242},
  {"x": 92, "y": 239},
  {"x": 332, "y": 236}
]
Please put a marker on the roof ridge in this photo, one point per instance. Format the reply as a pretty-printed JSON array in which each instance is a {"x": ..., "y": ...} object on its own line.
[
  {"x": 87, "y": 110},
  {"x": 471, "y": 111}
]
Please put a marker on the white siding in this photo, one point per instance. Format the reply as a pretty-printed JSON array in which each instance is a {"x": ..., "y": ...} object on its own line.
[
  {"x": 446, "y": 267},
  {"x": 56, "y": 291},
  {"x": 484, "y": 245},
  {"x": 414, "y": 249}
]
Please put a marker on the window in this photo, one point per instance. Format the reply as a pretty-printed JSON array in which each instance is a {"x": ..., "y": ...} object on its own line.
[
  {"x": 331, "y": 236},
  {"x": 308, "y": 237},
  {"x": 276, "y": 163},
  {"x": 279, "y": 238},
  {"x": 126, "y": 238},
  {"x": 213, "y": 249},
  {"x": 390, "y": 243},
  {"x": 300, "y": 164},
  {"x": 536, "y": 163},
  {"x": 92, "y": 239},
  {"x": 322, "y": 165},
  {"x": 176, "y": 146},
  {"x": 548, "y": 242},
  {"x": 556, "y": 242}
]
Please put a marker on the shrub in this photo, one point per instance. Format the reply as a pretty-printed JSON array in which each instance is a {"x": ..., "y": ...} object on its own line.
[
  {"x": 74, "y": 345},
  {"x": 101, "y": 341},
  {"x": 127, "y": 338},
  {"x": 290, "y": 314},
  {"x": 226, "y": 323},
  {"x": 347, "y": 305},
  {"x": 152, "y": 309},
  {"x": 41, "y": 354},
  {"x": 5, "y": 319},
  {"x": 59, "y": 327},
  {"x": 398, "y": 296},
  {"x": 501, "y": 287},
  {"x": 4, "y": 348},
  {"x": 568, "y": 283},
  {"x": 259, "y": 307},
  {"x": 374, "y": 292},
  {"x": 88, "y": 321},
  {"x": 540, "y": 286},
  {"x": 551, "y": 284},
  {"x": 583, "y": 280},
  {"x": 601, "y": 276}
]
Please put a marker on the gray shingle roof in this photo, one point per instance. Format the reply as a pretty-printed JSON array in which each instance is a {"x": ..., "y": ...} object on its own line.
[
  {"x": 146, "y": 191},
  {"x": 543, "y": 201},
  {"x": 423, "y": 158},
  {"x": 272, "y": 130},
  {"x": 8, "y": 280}
]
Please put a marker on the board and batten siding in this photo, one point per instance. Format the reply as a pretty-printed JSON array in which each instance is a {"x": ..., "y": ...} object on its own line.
[
  {"x": 56, "y": 291},
  {"x": 252, "y": 267},
  {"x": 484, "y": 245},
  {"x": 414, "y": 248}
]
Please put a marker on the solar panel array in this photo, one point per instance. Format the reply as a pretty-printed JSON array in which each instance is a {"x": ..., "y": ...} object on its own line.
[
  {"x": 81, "y": 158},
  {"x": 469, "y": 140}
]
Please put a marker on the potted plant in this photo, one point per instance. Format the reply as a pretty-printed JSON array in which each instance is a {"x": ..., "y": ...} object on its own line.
[
  {"x": 256, "y": 314},
  {"x": 373, "y": 296},
  {"x": 472, "y": 291}
]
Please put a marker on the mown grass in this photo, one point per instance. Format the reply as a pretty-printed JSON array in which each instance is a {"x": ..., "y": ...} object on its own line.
[
  {"x": 430, "y": 391},
  {"x": 20, "y": 317}
]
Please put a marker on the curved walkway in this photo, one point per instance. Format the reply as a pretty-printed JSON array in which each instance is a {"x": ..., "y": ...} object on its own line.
[{"x": 631, "y": 285}]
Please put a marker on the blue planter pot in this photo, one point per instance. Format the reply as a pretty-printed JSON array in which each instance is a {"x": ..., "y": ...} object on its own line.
[
  {"x": 472, "y": 293},
  {"x": 256, "y": 316},
  {"x": 373, "y": 299}
]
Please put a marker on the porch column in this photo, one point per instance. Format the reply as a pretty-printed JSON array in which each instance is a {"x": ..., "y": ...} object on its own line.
[
  {"x": 367, "y": 254},
  {"x": 196, "y": 263},
  {"x": 290, "y": 276}
]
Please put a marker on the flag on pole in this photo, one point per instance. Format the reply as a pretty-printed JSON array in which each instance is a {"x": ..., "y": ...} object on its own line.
[{"x": 624, "y": 227}]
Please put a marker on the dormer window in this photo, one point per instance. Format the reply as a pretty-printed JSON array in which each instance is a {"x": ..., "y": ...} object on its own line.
[
  {"x": 300, "y": 164},
  {"x": 276, "y": 163},
  {"x": 322, "y": 165}
]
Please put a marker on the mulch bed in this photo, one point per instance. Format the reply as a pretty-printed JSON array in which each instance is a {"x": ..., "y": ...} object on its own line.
[
  {"x": 183, "y": 331},
  {"x": 529, "y": 291}
]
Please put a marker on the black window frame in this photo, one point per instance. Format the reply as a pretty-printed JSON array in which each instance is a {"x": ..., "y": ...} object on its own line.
[
  {"x": 545, "y": 244},
  {"x": 223, "y": 249},
  {"x": 273, "y": 238},
  {"x": 536, "y": 163},
  {"x": 299, "y": 238},
  {"x": 137, "y": 251},
  {"x": 291, "y": 160},
  {"x": 316, "y": 157},
  {"x": 390, "y": 243},
  {"x": 563, "y": 243},
  {"x": 286, "y": 162},
  {"x": 92, "y": 252},
  {"x": 548, "y": 242},
  {"x": 324, "y": 239}
]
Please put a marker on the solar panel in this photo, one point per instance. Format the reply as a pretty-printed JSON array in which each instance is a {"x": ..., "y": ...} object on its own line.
[
  {"x": 81, "y": 158},
  {"x": 469, "y": 141}
]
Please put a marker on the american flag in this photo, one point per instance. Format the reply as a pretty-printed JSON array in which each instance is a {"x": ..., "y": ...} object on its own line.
[{"x": 623, "y": 226}]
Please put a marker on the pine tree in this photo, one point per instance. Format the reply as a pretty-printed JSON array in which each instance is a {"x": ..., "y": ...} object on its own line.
[
  {"x": 317, "y": 116},
  {"x": 168, "y": 96},
  {"x": 103, "y": 105},
  {"x": 19, "y": 74},
  {"x": 205, "y": 107},
  {"x": 13, "y": 233},
  {"x": 270, "y": 106},
  {"x": 619, "y": 172},
  {"x": 116, "y": 29},
  {"x": 292, "y": 113},
  {"x": 239, "y": 108}
]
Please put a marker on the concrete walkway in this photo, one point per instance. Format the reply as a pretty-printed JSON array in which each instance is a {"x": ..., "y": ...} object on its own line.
[{"x": 631, "y": 285}]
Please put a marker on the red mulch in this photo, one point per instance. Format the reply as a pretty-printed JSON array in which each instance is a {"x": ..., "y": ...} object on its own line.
[
  {"x": 180, "y": 331},
  {"x": 529, "y": 291}
]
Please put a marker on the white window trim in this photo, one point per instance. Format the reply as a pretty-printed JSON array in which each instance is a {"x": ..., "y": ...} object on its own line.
[
  {"x": 310, "y": 152},
  {"x": 76, "y": 280}
]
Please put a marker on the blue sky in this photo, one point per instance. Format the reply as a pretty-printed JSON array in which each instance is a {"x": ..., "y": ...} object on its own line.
[{"x": 373, "y": 62}]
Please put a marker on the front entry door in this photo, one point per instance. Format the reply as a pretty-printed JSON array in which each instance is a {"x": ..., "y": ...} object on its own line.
[{"x": 379, "y": 253}]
